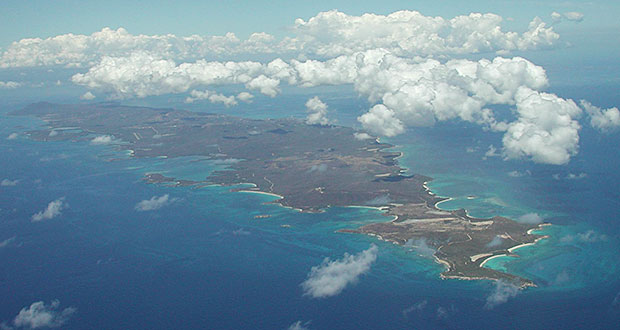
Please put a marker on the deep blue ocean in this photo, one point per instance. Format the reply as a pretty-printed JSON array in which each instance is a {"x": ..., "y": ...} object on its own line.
[{"x": 204, "y": 261}]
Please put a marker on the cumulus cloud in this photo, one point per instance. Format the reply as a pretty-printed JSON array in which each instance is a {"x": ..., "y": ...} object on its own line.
[
  {"x": 102, "y": 139},
  {"x": 53, "y": 209},
  {"x": 405, "y": 92},
  {"x": 332, "y": 276},
  {"x": 410, "y": 33},
  {"x": 154, "y": 203},
  {"x": 76, "y": 50},
  {"x": 569, "y": 16},
  {"x": 265, "y": 85},
  {"x": 87, "y": 96},
  {"x": 8, "y": 183},
  {"x": 362, "y": 136},
  {"x": 389, "y": 59},
  {"x": 299, "y": 325},
  {"x": 604, "y": 120},
  {"x": 317, "y": 112},
  {"x": 245, "y": 97},
  {"x": 9, "y": 84},
  {"x": 530, "y": 218},
  {"x": 328, "y": 34},
  {"x": 502, "y": 292},
  {"x": 546, "y": 131},
  {"x": 381, "y": 121},
  {"x": 142, "y": 74},
  {"x": 41, "y": 315},
  {"x": 212, "y": 97}
]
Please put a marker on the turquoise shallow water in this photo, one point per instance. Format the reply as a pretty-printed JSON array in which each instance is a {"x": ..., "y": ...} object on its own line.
[
  {"x": 581, "y": 249},
  {"x": 204, "y": 260}
]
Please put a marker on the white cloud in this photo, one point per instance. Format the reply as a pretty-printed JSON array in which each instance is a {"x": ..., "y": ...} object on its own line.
[
  {"x": 421, "y": 247},
  {"x": 573, "y": 176},
  {"x": 71, "y": 50},
  {"x": 491, "y": 152},
  {"x": 362, "y": 136},
  {"x": 328, "y": 34},
  {"x": 212, "y": 97},
  {"x": 102, "y": 139},
  {"x": 530, "y": 218},
  {"x": 12, "y": 136},
  {"x": 40, "y": 315},
  {"x": 7, "y": 241},
  {"x": 332, "y": 276},
  {"x": 265, "y": 85},
  {"x": 502, "y": 291},
  {"x": 589, "y": 236},
  {"x": 470, "y": 150},
  {"x": 496, "y": 241},
  {"x": 154, "y": 203},
  {"x": 8, "y": 183},
  {"x": 377, "y": 54},
  {"x": 517, "y": 174},
  {"x": 381, "y": 121},
  {"x": 546, "y": 131},
  {"x": 604, "y": 120},
  {"x": 245, "y": 97},
  {"x": 87, "y": 96},
  {"x": 570, "y": 176},
  {"x": 317, "y": 112},
  {"x": 405, "y": 92},
  {"x": 318, "y": 168},
  {"x": 409, "y": 33},
  {"x": 53, "y": 209},
  {"x": 9, "y": 84},
  {"x": 142, "y": 74},
  {"x": 569, "y": 16},
  {"x": 417, "y": 307},
  {"x": 299, "y": 326}
]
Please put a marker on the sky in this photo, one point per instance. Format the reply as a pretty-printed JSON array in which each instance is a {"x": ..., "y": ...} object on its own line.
[
  {"x": 417, "y": 63},
  {"x": 43, "y": 18}
]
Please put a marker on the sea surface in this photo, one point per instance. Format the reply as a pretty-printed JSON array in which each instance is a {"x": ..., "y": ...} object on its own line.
[{"x": 204, "y": 260}]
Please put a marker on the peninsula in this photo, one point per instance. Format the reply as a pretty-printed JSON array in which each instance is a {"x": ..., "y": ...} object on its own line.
[{"x": 308, "y": 167}]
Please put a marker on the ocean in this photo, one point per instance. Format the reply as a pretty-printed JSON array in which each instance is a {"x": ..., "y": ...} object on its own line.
[{"x": 205, "y": 261}]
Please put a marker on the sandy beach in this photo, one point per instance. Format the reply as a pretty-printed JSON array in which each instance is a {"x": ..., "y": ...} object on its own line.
[
  {"x": 262, "y": 193},
  {"x": 445, "y": 200},
  {"x": 478, "y": 256},
  {"x": 493, "y": 257}
]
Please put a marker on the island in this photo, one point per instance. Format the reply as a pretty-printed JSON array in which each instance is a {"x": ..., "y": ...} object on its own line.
[{"x": 307, "y": 167}]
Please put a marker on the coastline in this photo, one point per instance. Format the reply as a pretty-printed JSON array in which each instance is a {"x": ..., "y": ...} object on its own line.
[
  {"x": 262, "y": 193},
  {"x": 512, "y": 249},
  {"x": 492, "y": 257}
]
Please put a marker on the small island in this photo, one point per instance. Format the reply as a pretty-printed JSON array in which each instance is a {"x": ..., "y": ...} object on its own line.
[{"x": 307, "y": 167}]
